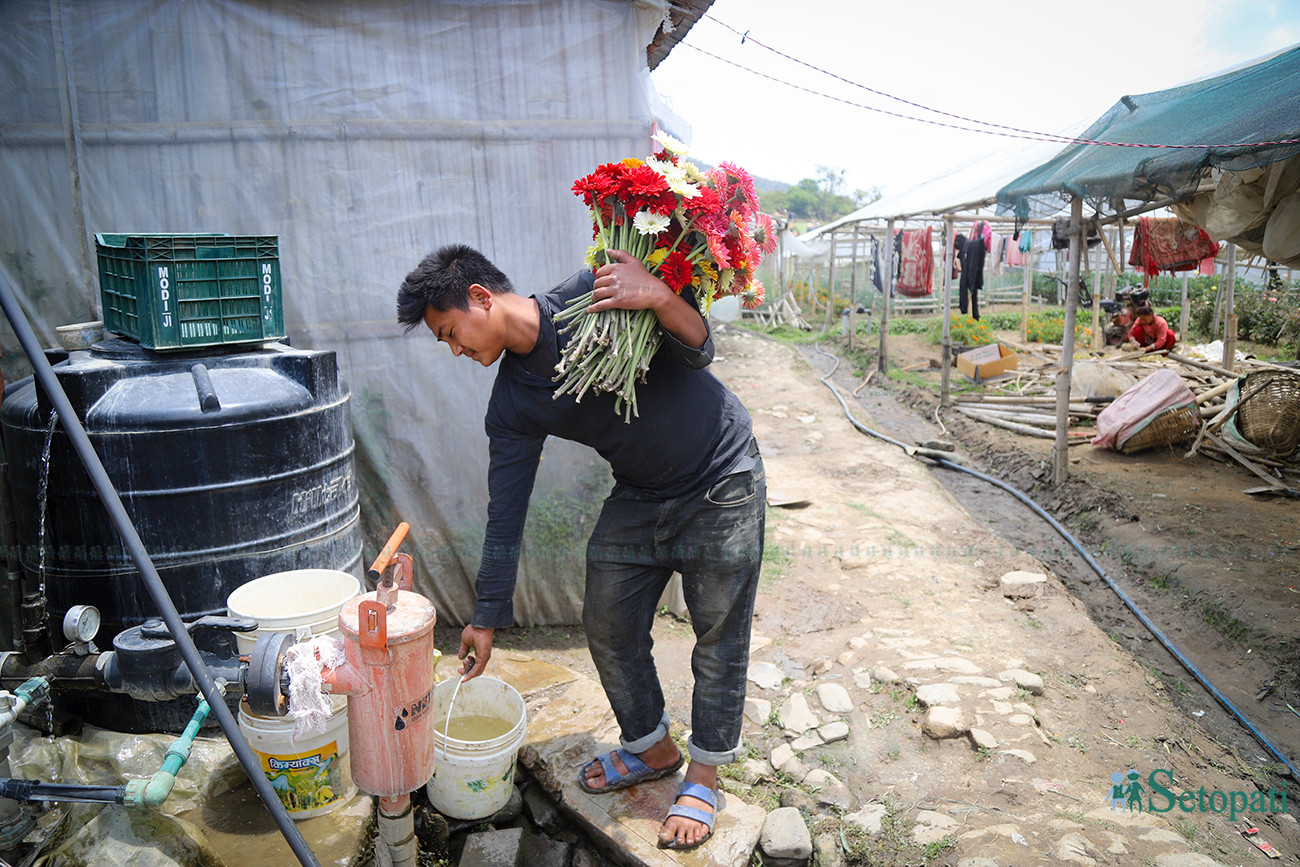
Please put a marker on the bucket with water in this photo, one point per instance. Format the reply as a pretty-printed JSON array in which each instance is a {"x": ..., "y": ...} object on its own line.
[
  {"x": 476, "y": 738},
  {"x": 311, "y": 775}
]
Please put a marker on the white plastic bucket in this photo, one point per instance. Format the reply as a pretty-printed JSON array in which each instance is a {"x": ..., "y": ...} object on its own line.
[
  {"x": 311, "y": 775},
  {"x": 304, "y": 603},
  {"x": 473, "y": 779}
]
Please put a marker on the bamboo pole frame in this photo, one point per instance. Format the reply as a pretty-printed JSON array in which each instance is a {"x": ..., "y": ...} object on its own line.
[
  {"x": 853, "y": 289},
  {"x": 1230, "y": 326},
  {"x": 1060, "y": 449},
  {"x": 945, "y": 375},
  {"x": 883, "y": 361},
  {"x": 1095, "y": 343},
  {"x": 830, "y": 288}
]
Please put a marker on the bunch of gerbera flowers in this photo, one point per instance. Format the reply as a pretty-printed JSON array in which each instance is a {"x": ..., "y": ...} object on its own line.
[{"x": 699, "y": 232}]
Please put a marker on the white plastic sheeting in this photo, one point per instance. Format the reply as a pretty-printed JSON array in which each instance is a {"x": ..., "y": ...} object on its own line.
[
  {"x": 363, "y": 135},
  {"x": 957, "y": 188}
]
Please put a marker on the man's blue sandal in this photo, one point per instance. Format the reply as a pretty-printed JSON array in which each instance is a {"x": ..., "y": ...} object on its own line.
[
  {"x": 703, "y": 793},
  {"x": 637, "y": 772}
]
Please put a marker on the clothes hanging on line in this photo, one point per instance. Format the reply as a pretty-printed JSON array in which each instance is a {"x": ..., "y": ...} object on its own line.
[
  {"x": 1061, "y": 234},
  {"x": 1016, "y": 250},
  {"x": 1169, "y": 245},
  {"x": 972, "y": 275},
  {"x": 876, "y": 279},
  {"x": 915, "y": 262}
]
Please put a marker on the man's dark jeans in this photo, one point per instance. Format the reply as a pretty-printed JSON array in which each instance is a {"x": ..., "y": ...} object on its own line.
[{"x": 714, "y": 538}]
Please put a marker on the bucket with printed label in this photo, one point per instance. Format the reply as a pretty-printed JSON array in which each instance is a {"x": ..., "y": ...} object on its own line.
[
  {"x": 312, "y": 775},
  {"x": 475, "y": 746}
]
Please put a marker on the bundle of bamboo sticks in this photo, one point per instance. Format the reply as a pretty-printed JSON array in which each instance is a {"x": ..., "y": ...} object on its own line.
[{"x": 1026, "y": 403}]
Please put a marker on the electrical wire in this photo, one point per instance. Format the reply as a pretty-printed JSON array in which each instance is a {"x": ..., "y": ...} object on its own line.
[
  {"x": 1087, "y": 558},
  {"x": 997, "y": 129}
]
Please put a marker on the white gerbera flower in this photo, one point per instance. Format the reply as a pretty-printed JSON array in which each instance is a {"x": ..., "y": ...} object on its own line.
[
  {"x": 670, "y": 144},
  {"x": 649, "y": 224},
  {"x": 665, "y": 168},
  {"x": 683, "y": 187}
]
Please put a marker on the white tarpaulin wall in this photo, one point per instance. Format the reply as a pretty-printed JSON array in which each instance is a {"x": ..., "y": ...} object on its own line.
[{"x": 363, "y": 135}]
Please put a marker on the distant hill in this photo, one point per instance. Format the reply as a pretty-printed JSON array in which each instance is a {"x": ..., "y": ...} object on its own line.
[
  {"x": 762, "y": 185},
  {"x": 767, "y": 185}
]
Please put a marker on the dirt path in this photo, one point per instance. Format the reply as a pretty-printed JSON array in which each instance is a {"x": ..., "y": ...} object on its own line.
[
  {"x": 1213, "y": 568},
  {"x": 885, "y": 569},
  {"x": 890, "y": 584}
]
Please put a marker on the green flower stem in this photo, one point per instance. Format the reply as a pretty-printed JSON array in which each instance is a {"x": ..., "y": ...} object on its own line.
[{"x": 609, "y": 351}]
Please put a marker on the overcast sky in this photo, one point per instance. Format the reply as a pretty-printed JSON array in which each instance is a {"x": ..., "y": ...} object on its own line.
[{"x": 1038, "y": 66}]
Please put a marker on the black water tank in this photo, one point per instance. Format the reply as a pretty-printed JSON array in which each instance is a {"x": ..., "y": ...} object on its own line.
[{"x": 232, "y": 463}]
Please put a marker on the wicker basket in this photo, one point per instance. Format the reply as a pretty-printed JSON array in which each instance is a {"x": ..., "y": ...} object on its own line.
[
  {"x": 1178, "y": 424},
  {"x": 1269, "y": 417}
]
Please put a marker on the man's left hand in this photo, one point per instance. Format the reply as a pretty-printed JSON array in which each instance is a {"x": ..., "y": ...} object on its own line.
[{"x": 626, "y": 284}]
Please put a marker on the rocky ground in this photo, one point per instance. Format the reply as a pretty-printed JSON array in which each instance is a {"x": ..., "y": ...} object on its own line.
[{"x": 929, "y": 693}]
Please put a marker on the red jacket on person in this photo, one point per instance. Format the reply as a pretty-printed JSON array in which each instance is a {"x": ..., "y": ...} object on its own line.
[{"x": 1155, "y": 337}]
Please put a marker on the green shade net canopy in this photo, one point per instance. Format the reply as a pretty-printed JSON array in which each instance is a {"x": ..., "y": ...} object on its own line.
[{"x": 1240, "y": 120}]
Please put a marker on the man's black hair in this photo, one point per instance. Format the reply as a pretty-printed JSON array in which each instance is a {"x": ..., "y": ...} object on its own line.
[{"x": 442, "y": 281}]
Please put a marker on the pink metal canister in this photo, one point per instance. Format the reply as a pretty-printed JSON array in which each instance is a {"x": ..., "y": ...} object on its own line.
[{"x": 388, "y": 674}]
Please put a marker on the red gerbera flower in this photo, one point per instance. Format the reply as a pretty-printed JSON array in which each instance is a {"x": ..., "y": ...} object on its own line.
[
  {"x": 648, "y": 189},
  {"x": 676, "y": 271}
]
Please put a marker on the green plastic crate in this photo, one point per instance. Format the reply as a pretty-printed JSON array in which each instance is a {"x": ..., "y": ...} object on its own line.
[{"x": 183, "y": 291}]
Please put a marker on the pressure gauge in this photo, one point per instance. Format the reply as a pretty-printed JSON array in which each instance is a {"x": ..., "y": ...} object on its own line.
[{"x": 81, "y": 623}]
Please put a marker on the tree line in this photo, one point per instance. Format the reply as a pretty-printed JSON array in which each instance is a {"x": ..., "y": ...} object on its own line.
[{"x": 817, "y": 200}]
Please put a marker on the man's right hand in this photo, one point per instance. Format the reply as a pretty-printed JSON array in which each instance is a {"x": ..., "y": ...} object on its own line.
[{"x": 475, "y": 650}]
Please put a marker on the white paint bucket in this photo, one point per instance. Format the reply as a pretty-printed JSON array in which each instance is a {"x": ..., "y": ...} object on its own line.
[
  {"x": 304, "y": 603},
  {"x": 311, "y": 775},
  {"x": 472, "y": 779}
]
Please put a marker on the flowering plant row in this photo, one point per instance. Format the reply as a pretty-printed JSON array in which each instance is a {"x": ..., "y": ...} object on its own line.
[{"x": 699, "y": 232}]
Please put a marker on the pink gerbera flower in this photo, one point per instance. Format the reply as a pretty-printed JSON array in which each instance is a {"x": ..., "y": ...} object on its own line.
[
  {"x": 736, "y": 187},
  {"x": 765, "y": 234},
  {"x": 707, "y": 213},
  {"x": 753, "y": 295},
  {"x": 718, "y": 249}
]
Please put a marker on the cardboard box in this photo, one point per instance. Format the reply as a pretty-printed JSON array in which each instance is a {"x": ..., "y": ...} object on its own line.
[{"x": 986, "y": 362}]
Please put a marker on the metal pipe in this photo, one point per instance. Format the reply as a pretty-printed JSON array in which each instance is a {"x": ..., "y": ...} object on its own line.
[{"x": 48, "y": 381}]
